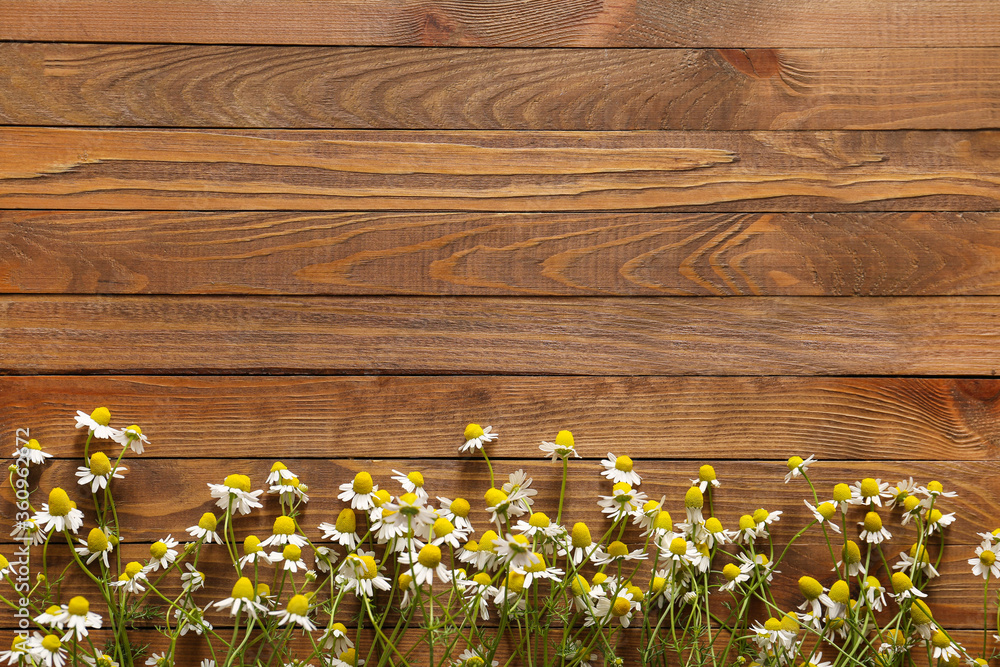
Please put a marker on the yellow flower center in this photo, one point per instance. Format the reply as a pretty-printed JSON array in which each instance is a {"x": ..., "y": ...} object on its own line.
[
  {"x": 747, "y": 522},
  {"x": 33, "y": 444},
  {"x": 713, "y": 525},
  {"x": 241, "y": 482},
  {"x": 873, "y": 522},
  {"x": 659, "y": 583},
  {"x": 515, "y": 581},
  {"x": 97, "y": 541},
  {"x": 934, "y": 516},
  {"x": 580, "y": 586},
  {"x": 381, "y": 497},
  {"x": 416, "y": 478},
  {"x": 486, "y": 541},
  {"x": 622, "y": 489},
  {"x": 731, "y": 571},
  {"x": 51, "y": 643},
  {"x": 910, "y": 503},
  {"x": 794, "y": 462},
  {"x": 706, "y": 473},
  {"x": 291, "y": 553},
  {"x": 460, "y": 507},
  {"x": 694, "y": 498},
  {"x": 59, "y": 503},
  {"x": 243, "y": 589},
  {"x": 940, "y": 639},
  {"x": 538, "y": 565},
  {"x": 473, "y": 431},
  {"x": 935, "y": 487},
  {"x": 482, "y": 578},
  {"x": 405, "y": 580},
  {"x": 663, "y": 521},
  {"x": 539, "y": 520},
  {"x": 772, "y": 624},
  {"x": 158, "y": 550},
  {"x": 494, "y": 497},
  {"x": 869, "y": 488},
  {"x": 102, "y": 416},
  {"x": 430, "y": 556},
  {"x": 987, "y": 557},
  {"x": 789, "y": 623},
  {"x": 759, "y": 515},
  {"x": 4, "y": 563},
  {"x": 133, "y": 569},
  {"x": 617, "y": 549},
  {"x": 371, "y": 568},
  {"x": 678, "y": 546},
  {"x": 79, "y": 606},
  {"x": 840, "y": 592},
  {"x": 443, "y": 527},
  {"x": 580, "y": 536},
  {"x": 922, "y": 557},
  {"x": 471, "y": 545},
  {"x": 623, "y": 463},
  {"x": 620, "y": 607},
  {"x": 298, "y": 605},
  {"x": 872, "y": 582},
  {"x": 810, "y": 588},
  {"x": 363, "y": 483},
  {"x": 350, "y": 656},
  {"x": 851, "y": 552},
  {"x": 347, "y": 521},
  {"x": 208, "y": 522},
  {"x": 278, "y": 465},
  {"x": 895, "y": 637},
  {"x": 826, "y": 510},
  {"x": 920, "y": 612},
  {"x": 841, "y": 493},
  {"x": 284, "y": 525},
  {"x": 565, "y": 439},
  {"x": 901, "y": 582}
]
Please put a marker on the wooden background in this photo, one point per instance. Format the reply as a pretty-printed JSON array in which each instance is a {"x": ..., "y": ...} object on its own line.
[{"x": 690, "y": 231}]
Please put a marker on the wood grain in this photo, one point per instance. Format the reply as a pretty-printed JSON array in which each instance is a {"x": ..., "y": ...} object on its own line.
[
  {"x": 649, "y": 417},
  {"x": 482, "y": 335},
  {"x": 524, "y": 171},
  {"x": 590, "y": 23},
  {"x": 522, "y": 89},
  {"x": 860, "y": 254},
  {"x": 161, "y": 496}
]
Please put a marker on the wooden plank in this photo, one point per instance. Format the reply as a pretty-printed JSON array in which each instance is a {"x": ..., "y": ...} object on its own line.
[
  {"x": 649, "y": 417},
  {"x": 746, "y": 486},
  {"x": 523, "y": 171},
  {"x": 681, "y": 254},
  {"x": 556, "y": 89},
  {"x": 529, "y": 336},
  {"x": 728, "y": 23}
]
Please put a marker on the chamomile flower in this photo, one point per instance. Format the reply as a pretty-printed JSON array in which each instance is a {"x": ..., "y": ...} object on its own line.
[
  {"x": 772, "y": 635},
  {"x": 243, "y": 598},
  {"x": 131, "y": 437},
  {"x": 562, "y": 448},
  {"x": 191, "y": 618},
  {"x": 289, "y": 558},
  {"x": 234, "y": 494},
  {"x": 360, "y": 492},
  {"x": 59, "y": 514},
  {"x": 874, "y": 593},
  {"x": 284, "y": 532},
  {"x": 850, "y": 555},
  {"x": 923, "y": 619},
  {"x": 290, "y": 490},
  {"x": 47, "y": 650},
  {"x": 28, "y": 532},
  {"x": 510, "y": 592},
  {"x": 478, "y": 592},
  {"x": 536, "y": 525},
  {"x": 797, "y": 466},
  {"x": 694, "y": 501},
  {"x": 515, "y": 551},
  {"x": 444, "y": 532},
  {"x": 842, "y": 495},
  {"x": 824, "y": 513},
  {"x": 518, "y": 489},
  {"x": 915, "y": 558},
  {"x": 618, "y": 609},
  {"x": 764, "y": 519},
  {"x": 714, "y": 534},
  {"x": 619, "y": 469},
  {"x": 993, "y": 538},
  {"x": 335, "y": 638},
  {"x": 132, "y": 578},
  {"x": 359, "y": 573},
  {"x": 18, "y": 653},
  {"x": 99, "y": 471},
  {"x": 837, "y": 600},
  {"x": 677, "y": 551},
  {"x": 933, "y": 490},
  {"x": 162, "y": 553},
  {"x": 95, "y": 546},
  {"x": 344, "y": 532},
  {"x": 79, "y": 618},
  {"x": 903, "y": 587},
  {"x": 985, "y": 562},
  {"x": 5, "y": 567},
  {"x": 204, "y": 530},
  {"x": 96, "y": 422},
  {"x": 279, "y": 473},
  {"x": 581, "y": 546},
  {"x": 735, "y": 575},
  {"x": 747, "y": 532},
  {"x": 869, "y": 492},
  {"x": 469, "y": 658},
  {"x": 412, "y": 482},
  {"x": 159, "y": 660},
  {"x": 944, "y": 649},
  {"x": 622, "y": 502},
  {"x": 426, "y": 564},
  {"x": 903, "y": 490},
  {"x": 192, "y": 580},
  {"x": 348, "y": 658},
  {"x": 410, "y": 512},
  {"x": 456, "y": 511},
  {"x": 476, "y": 436},
  {"x": 813, "y": 592},
  {"x": 873, "y": 531},
  {"x": 54, "y": 617},
  {"x": 760, "y": 563},
  {"x": 500, "y": 507},
  {"x": 31, "y": 453},
  {"x": 297, "y": 611},
  {"x": 324, "y": 558},
  {"x": 938, "y": 521},
  {"x": 706, "y": 478}
]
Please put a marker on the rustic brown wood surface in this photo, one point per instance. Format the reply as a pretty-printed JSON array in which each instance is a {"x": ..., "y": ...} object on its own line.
[
  {"x": 555, "y": 89},
  {"x": 618, "y": 23},
  {"x": 500, "y": 171},
  {"x": 678, "y": 254}
]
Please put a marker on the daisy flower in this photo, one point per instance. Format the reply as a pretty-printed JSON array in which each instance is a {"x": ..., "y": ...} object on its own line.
[
  {"x": 694, "y": 501},
  {"x": 476, "y": 436},
  {"x": 824, "y": 513},
  {"x": 297, "y": 611},
  {"x": 874, "y": 593},
  {"x": 903, "y": 490},
  {"x": 535, "y": 525},
  {"x": 426, "y": 565},
  {"x": 132, "y": 578},
  {"x": 444, "y": 532},
  {"x": 581, "y": 546},
  {"x": 162, "y": 553},
  {"x": 813, "y": 592},
  {"x": 359, "y": 573},
  {"x": 874, "y": 532},
  {"x": 945, "y": 650},
  {"x": 348, "y": 658},
  {"x": 515, "y": 551},
  {"x": 335, "y": 637},
  {"x": 619, "y": 469},
  {"x": 562, "y": 448},
  {"x": 909, "y": 561},
  {"x": 985, "y": 562},
  {"x": 539, "y": 570},
  {"x": 606, "y": 609},
  {"x": 159, "y": 660},
  {"x": 518, "y": 488},
  {"x": 678, "y": 551},
  {"x": 59, "y": 514},
  {"x": 18, "y": 652},
  {"x": 735, "y": 575},
  {"x": 97, "y": 423},
  {"x": 759, "y": 562},
  {"x": 95, "y": 546},
  {"x": 324, "y": 558},
  {"x": 244, "y": 598},
  {"x": 922, "y": 618},
  {"x": 706, "y": 478},
  {"x": 938, "y": 521},
  {"x": 54, "y": 617},
  {"x": 360, "y": 493},
  {"x": 234, "y": 494},
  {"x": 499, "y": 505},
  {"x": 618, "y": 553},
  {"x": 192, "y": 580},
  {"x": 290, "y": 490},
  {"x": 456, "y": 511},
  {"x": 344, "y": 532},
  {"x": 191, "y": 618},
  {"x": 290, "y": 556},
  {"x": 850, "y": 555},
  {"x": 623, "y": 501},
  {"x": 412, "y": 482},
  {"x": 478, "y": 593},
  {"x": 205, "y": 529},
  {"x": 31, "y": 453},
  {"x": 279, "y": 472},
  {"x": 47, "y": 650},
  {"x": 842, "y": 495},
  {"x": 98, "y": 472},
  {"x": 131, "y": 437},
  {"x": 79, "y": 618},
  {"x": 476, "y": 658},
  {"x": 763, "y": 519},
  {"x": 869, "y": 492},
  {"x": 511, "y": 592},
  {"x": 903, "y": 588},
  {"x": 933, "y": 490},
  {"x": 747, "y": 532},
  {"x": 28, "y": 531},
  {"x": 797, "y": 466},
  {"x": 838, "y": 600},
  {"x": 715, "y": 534},
  {"x": 284, "y": 532},
  {"x": 410, "y": 512}
]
